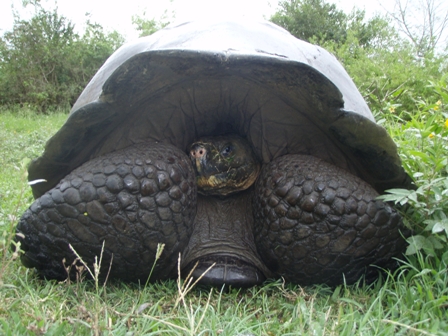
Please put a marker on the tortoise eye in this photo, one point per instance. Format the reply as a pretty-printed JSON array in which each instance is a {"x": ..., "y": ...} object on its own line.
[{"x": 227, "y": 150}]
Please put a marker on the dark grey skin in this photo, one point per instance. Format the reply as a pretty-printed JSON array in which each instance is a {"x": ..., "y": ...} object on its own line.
[{"x": 302, "y": 219}]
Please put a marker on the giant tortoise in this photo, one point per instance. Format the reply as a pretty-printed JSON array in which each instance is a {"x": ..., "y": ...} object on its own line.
[{"x": 236, "y": 146}]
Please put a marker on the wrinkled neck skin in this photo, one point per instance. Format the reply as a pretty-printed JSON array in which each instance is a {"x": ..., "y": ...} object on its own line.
[{"x": 224, "y": 226}]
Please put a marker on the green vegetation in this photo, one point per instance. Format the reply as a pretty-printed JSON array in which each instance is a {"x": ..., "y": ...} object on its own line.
[
  {"x": 424, "y": 146},
  {"x": 146, "y": 26},
  {"x": 45, "y": 64},
  {"x": 408, "y": 95}
]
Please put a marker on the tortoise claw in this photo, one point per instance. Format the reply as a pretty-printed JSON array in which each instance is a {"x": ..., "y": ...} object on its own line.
[{"x": 230, "y": 271}]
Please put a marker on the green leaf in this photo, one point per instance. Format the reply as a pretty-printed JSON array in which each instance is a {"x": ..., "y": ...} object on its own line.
[
  {"x": 400, "y": 196},
  {"x": 435, "y": 242},
  {"x": 421, "y": 155},
  {"x": 416, "y": 243},
  {"x": 440, "y": 226},
  {"x": 401, "y": 192}
]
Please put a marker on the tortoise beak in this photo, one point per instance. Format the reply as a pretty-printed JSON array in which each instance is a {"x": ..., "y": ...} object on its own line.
[{"x": 204, "y": 157}]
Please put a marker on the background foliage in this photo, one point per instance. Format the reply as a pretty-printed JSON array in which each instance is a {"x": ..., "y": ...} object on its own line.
[{"x": 45, "y": 64}]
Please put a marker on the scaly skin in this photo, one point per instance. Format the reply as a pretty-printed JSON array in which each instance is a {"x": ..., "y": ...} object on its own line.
[
  {"x": 315, "y": 222},
  {"x": 132, "y": 199}
]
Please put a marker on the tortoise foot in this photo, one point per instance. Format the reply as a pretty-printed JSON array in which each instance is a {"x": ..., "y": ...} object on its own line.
[
  {"x": 131, "y": 200},
  {"x": 317, "y": 223},
  {"x": 227, "y": 270}
]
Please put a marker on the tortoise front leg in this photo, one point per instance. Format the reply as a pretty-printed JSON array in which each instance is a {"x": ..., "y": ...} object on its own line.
[
  {"x": 316, "y": 223},
  {"x": 131, "y": 199}
]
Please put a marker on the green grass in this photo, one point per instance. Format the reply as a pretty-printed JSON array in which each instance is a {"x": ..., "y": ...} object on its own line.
[{"x": 414, "y": 301}]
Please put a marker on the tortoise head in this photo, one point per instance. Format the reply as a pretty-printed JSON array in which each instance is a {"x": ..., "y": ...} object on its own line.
[{"x": 224, "y": 164}]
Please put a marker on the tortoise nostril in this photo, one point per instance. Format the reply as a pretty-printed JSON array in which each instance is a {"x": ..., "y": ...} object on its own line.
[{"x": 197, "y": 151}]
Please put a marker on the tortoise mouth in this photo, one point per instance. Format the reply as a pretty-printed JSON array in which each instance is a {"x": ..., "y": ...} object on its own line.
[{"x": 228, "y": 182}]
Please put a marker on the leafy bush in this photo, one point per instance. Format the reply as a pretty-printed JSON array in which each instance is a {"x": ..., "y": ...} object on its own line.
[
  {"x": 390, "y": 75},
  {"x": 312, "y": 20},
  {"x": 424, "y": 146},
  {"x": 44, "y": 63},
  {"x": 147, "y": 26}
]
